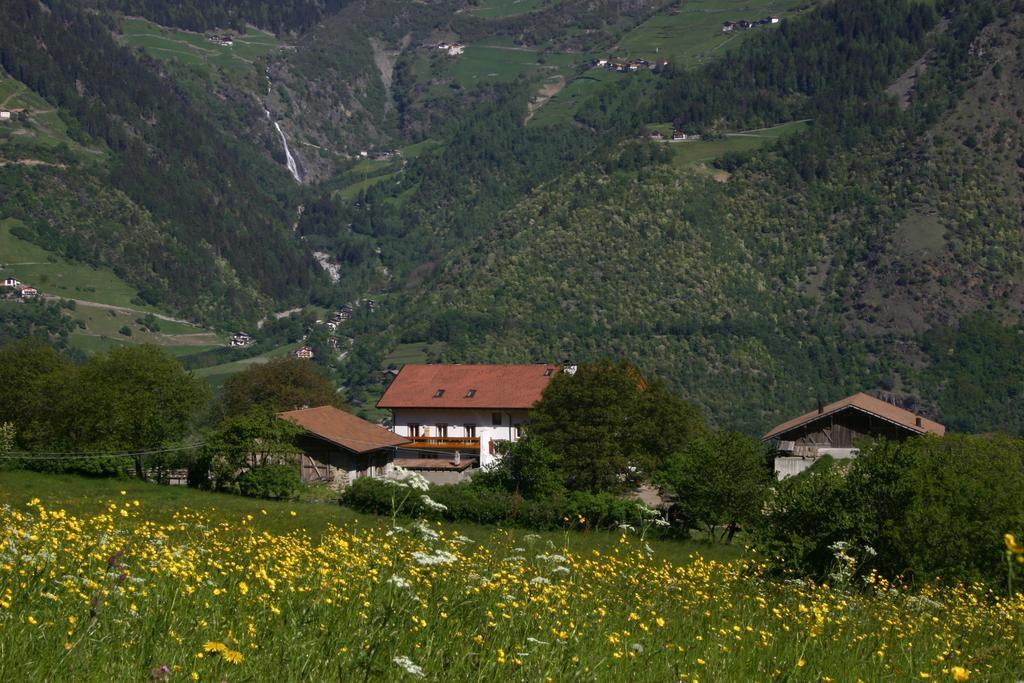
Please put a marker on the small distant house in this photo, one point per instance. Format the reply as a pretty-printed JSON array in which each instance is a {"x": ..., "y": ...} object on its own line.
[
  {"x": 774, "y": 20},
  {"x": 5, "y": 115},
  {"x": 680, "y": 135},
  {"x": 456, "y": 49},
  {"x": 337, "y": 448},
  {"x": 28, "y": 292},
  {"x": 241, "y": 339},
  {"x": 443, "y": 46},
  {"x": 601, "y": 63},
  {"x": 305, "y": 353},
  {"x": 728, "y": 27},
  {"x": 465, "y": 408},
  {"x": 224, "y": 40},
  {"x": 838, "y": 428},
  {"x": 11, "y": 282},
  {"x": 656, "y": 135}
]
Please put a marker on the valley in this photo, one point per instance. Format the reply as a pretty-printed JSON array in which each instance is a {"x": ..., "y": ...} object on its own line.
[{"x": 475, "y": 169}]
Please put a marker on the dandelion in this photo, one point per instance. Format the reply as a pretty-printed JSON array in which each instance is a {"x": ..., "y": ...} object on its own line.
[
  {"x": 408, "y": 666},
  {"x": 232, "y": 656},
  {"x": 1012, "y": 546},
  {"x": 960, "y": 674},
  {"x": 214, "y": 646}
]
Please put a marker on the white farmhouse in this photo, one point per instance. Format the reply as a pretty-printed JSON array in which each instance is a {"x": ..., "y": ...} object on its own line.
[{"x": 464, "y": 407}]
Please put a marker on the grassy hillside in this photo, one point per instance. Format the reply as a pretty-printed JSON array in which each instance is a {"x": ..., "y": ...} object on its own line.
[{"x": 240, "y": 61}]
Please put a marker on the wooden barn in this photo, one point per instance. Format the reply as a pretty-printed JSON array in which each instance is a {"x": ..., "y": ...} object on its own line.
[
  {"x": 337, "y": 447},
  {"x": 838, "y": 428}
]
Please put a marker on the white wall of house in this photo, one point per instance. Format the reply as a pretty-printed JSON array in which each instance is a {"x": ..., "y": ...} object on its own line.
[
  {"x": 457, "y": 419},
  {"x": 788, "y": 465}
]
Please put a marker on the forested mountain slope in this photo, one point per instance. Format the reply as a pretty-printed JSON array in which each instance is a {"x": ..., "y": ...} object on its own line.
[
  {"x": 195, "y": 218},
  {"x": 812, "y": 270}
]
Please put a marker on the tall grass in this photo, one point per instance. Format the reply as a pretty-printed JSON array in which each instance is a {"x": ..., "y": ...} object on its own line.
[{"x": 120, "y": 594}]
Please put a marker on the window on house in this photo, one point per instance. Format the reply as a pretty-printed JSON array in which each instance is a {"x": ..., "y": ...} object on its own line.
[
  {"x": 442, "y": 430},
  {"x": 547, "y": 372},
  {"x": 470, "y": 431},
  {"x": 414, "y": 429},
  {"x": 439, "y": 393},
  {"x": 496, "y": 419},
  {"x": 471, "y": 393},
  {"x": 517, "y": 432}
]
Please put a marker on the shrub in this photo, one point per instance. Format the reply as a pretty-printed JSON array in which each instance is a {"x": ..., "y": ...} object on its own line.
[
  {"x": 471, "y": 502},
  {"x": 931, "y": 508},
  {"x": 275, "y": 481}
]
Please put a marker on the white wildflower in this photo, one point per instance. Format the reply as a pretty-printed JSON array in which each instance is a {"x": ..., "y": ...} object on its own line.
[
  {"x": 648, "y": 549},
  {"x": 425, "y": 531},
  {"x": 539, "y": 581},
  {"x": 398, "y": 581},
  {"x": 462, "y": 539},
  {"x": 552, "y": 558},
  {"x": 409, "y": 666},
  {"x": 533, "y": 640},
  {"x": 561, "y": 569},
  {"x": 432, "y": 504},
  {"x": 432, "y": 559},
  {"x": 408, "y": 479},
  {"x": 661, "y": 521},
  {"x": 626, "y": 527}
]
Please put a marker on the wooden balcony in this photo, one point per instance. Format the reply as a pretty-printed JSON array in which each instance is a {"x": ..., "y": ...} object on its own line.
[{"x": 452, "y": 443}]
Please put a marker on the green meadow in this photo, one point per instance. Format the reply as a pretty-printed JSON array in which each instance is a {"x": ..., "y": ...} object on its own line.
[
  {"x": 495, "y": 9},
  {"x": 694, "y": 34},
  {"x": 216, "y": 375},
  {"x": 43, "y": 130},
  {"x": 195, "y": 49},
  {"x": 694, "y": 152}
]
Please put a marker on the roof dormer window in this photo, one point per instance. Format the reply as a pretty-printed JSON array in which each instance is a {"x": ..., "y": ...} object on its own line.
[
  {"x": 471, "y": 393},
  {"x": 439, "y": 393},
  {"x": 548, "y": 371}
]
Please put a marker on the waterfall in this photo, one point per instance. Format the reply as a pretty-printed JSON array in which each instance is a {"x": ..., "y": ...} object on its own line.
[{"x": 293, "y": 167}]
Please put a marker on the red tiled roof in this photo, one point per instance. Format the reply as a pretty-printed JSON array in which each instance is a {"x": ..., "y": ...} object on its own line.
[
  {"x": 343, "y": 429},
  {"x": 467, "y": 386},
  {"x": 867, "y": 404}
]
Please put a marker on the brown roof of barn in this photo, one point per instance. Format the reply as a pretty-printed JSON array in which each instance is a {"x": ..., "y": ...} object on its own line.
[
  {"x": 467, "y": 386},
  {"x": 867, "y": 404},
  {"x": 343, "y": 429}
]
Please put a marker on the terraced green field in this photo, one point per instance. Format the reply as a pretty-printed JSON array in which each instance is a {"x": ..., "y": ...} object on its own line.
[
  {"x": 495, "y": 63},
  {"x": 562, "y": 107},
  {"x": 693, "y": 152},
  {"x": 43, "y": 129},
  {"x": 216, "y": 375},
  {"x": 195, "y": 49},
  {"x": 492, "y": 9},
  {"x": 694, "y": 34},
  {"x": 54, "y": 275}
]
